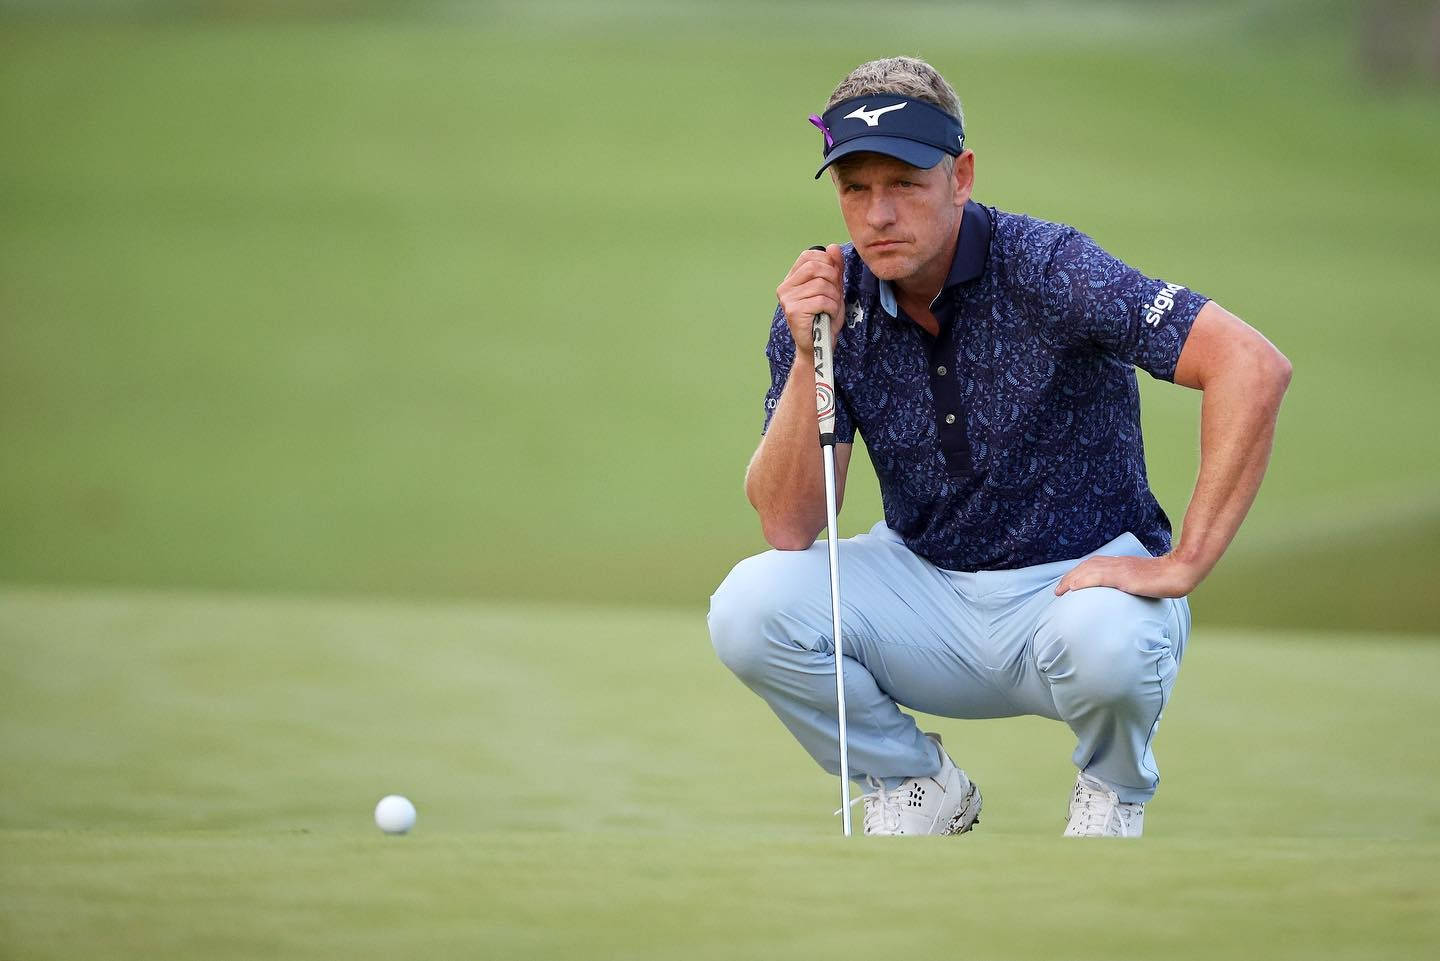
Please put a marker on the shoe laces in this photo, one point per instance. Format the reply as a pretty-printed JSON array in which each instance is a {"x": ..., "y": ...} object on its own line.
[
  {"x": 882, "y": 809},
  {"x": 1092, "y": 809}
]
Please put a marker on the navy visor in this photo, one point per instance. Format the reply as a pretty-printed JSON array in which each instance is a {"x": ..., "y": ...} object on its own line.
[{"x": 907, "y": 129}]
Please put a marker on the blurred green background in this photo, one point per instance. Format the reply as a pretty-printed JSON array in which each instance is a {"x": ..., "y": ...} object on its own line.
[
  {"x": 469, "y": 300},
  {"x": 376, "y": 384}
]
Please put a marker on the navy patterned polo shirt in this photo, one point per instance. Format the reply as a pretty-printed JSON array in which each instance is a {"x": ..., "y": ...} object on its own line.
[{"x": 1012, "y": 438}]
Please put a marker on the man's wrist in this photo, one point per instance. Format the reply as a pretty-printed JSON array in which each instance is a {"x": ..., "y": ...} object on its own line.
[{"x": 1193, "y": 569}]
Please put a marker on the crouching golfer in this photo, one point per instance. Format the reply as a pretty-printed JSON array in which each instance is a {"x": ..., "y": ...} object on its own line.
[{"x": 1023, "y": 567}]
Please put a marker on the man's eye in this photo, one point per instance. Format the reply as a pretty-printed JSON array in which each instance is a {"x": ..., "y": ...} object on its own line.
[{"x": 907, "y": 183}]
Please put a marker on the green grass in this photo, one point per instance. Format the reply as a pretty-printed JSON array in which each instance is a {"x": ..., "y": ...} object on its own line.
[
  {"x": 472, "y": 302},
  {"x": 191, "y": 775},
  {"x": 467, "y": 302}
]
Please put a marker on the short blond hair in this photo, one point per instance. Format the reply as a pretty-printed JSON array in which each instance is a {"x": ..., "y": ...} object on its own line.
[{"x": 907, "y": 76}]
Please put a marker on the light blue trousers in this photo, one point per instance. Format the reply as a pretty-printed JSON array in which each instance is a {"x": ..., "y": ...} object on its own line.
[{"x": 964, "y": 645}]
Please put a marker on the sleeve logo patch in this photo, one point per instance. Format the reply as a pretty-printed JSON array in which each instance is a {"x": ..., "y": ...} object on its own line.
[{"x": 1163, "y": 303}]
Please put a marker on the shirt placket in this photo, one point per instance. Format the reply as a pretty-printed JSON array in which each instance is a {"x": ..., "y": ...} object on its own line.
[{"x": 945, "y": 387}]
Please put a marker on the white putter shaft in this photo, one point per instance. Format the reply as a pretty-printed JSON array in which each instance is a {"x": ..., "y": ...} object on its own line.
[{"x": 825, "y": 411}]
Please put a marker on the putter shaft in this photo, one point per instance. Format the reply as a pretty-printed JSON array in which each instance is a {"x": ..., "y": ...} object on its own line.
[{"x": 832, "y": 539}]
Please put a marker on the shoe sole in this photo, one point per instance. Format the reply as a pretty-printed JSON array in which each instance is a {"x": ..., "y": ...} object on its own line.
[{"x": 968, "y": 816}]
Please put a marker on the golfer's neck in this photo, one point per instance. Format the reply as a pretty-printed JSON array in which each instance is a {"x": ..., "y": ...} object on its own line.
[{"x": 919, "y": 290}]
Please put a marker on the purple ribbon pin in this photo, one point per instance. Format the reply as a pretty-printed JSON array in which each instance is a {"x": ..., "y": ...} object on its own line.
[{"x": 819, "y": 121}]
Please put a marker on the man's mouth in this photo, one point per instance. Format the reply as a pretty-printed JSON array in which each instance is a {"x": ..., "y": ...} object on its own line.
[{"x": 885, "y": 244}]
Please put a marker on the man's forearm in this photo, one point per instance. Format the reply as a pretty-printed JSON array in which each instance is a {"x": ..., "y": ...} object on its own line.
[
  {"x": 785, "y": 482},
  {"x": 1237, "y": 432}
]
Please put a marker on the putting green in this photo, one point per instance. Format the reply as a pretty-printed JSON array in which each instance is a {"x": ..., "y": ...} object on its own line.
[{"x": 192, "y": 776}]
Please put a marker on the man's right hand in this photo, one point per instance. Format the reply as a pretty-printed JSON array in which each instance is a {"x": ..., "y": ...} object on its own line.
[{"x": 813, "y": 286}]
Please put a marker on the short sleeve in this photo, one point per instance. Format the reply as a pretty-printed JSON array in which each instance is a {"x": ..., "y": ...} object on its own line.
[
  {"x": 780, "y": 352},
  {"x": 1099, "y": 300}
]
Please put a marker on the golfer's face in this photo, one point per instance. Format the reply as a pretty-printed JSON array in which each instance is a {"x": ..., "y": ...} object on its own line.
[{"x": 900, "y": 217}]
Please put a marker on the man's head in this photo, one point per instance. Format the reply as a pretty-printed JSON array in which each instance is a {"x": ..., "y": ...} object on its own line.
[
  {"x": 894, "y": 138},
  {"x": 906, "y": 76}
]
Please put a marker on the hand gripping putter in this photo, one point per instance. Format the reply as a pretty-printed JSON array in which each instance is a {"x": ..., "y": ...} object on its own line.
[{"x": 825, "y": 412}]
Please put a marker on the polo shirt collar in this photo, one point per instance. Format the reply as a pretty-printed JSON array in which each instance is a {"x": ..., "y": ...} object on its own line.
[{"x": 971, "y": 249}]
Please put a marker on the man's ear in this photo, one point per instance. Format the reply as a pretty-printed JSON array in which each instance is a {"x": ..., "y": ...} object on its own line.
[{"x": 964, "y": 177}]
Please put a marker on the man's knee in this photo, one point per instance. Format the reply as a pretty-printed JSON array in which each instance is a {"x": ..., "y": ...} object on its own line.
[
  {"x": 1097, "y": 638},
  {"x": 750, "y": 606}
]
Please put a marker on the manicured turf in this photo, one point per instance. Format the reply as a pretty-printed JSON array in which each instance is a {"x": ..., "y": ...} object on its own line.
[
  {"x": 192, "y": 776},
  {"x": 472, "y": 303},
  {"x": 468, "y": 301}
]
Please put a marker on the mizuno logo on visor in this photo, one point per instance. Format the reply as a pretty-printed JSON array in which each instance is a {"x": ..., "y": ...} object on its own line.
[{"x": 872, "y": 117}]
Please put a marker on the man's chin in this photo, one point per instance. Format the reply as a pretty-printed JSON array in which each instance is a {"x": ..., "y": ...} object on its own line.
[{"x": 889, "y": 266}]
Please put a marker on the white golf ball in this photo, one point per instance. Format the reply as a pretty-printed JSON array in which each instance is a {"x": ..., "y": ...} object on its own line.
[{"x": 394, "y": 814}]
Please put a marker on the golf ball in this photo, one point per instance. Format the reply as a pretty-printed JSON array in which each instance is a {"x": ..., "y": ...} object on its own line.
[{"x": 394, "y": 814}]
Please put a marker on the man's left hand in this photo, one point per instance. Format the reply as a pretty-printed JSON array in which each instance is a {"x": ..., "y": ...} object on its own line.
[{"x": 1144, "y": 576}]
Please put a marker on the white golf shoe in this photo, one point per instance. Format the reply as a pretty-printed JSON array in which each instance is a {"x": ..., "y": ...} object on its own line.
[
  {"x": 1097, "y": 812},
  {"x": 946, "y": 802}
]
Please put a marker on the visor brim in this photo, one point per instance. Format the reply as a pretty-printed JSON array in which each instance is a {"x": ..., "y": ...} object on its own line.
[{"x": 912, "y": 152}]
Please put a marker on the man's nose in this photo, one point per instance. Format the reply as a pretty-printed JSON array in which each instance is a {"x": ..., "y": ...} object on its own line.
[{"x": 881, "y": 213}]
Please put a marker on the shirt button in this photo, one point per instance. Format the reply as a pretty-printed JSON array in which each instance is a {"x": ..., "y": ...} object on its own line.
[
  {"x": 949, "y": 418},
  {"x": 941, "y": 371}
]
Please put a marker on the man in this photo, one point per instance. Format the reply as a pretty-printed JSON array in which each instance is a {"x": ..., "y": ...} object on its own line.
[{"x": 1023, "y": 566}]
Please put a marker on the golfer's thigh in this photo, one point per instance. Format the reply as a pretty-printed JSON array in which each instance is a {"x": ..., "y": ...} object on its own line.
[
  {"x": 884, "y": 588},
  {"x": 899, "y": 618}
]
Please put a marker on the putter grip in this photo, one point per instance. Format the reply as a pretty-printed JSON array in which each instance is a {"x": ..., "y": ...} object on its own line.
[{"x": 824, "y": 375}]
